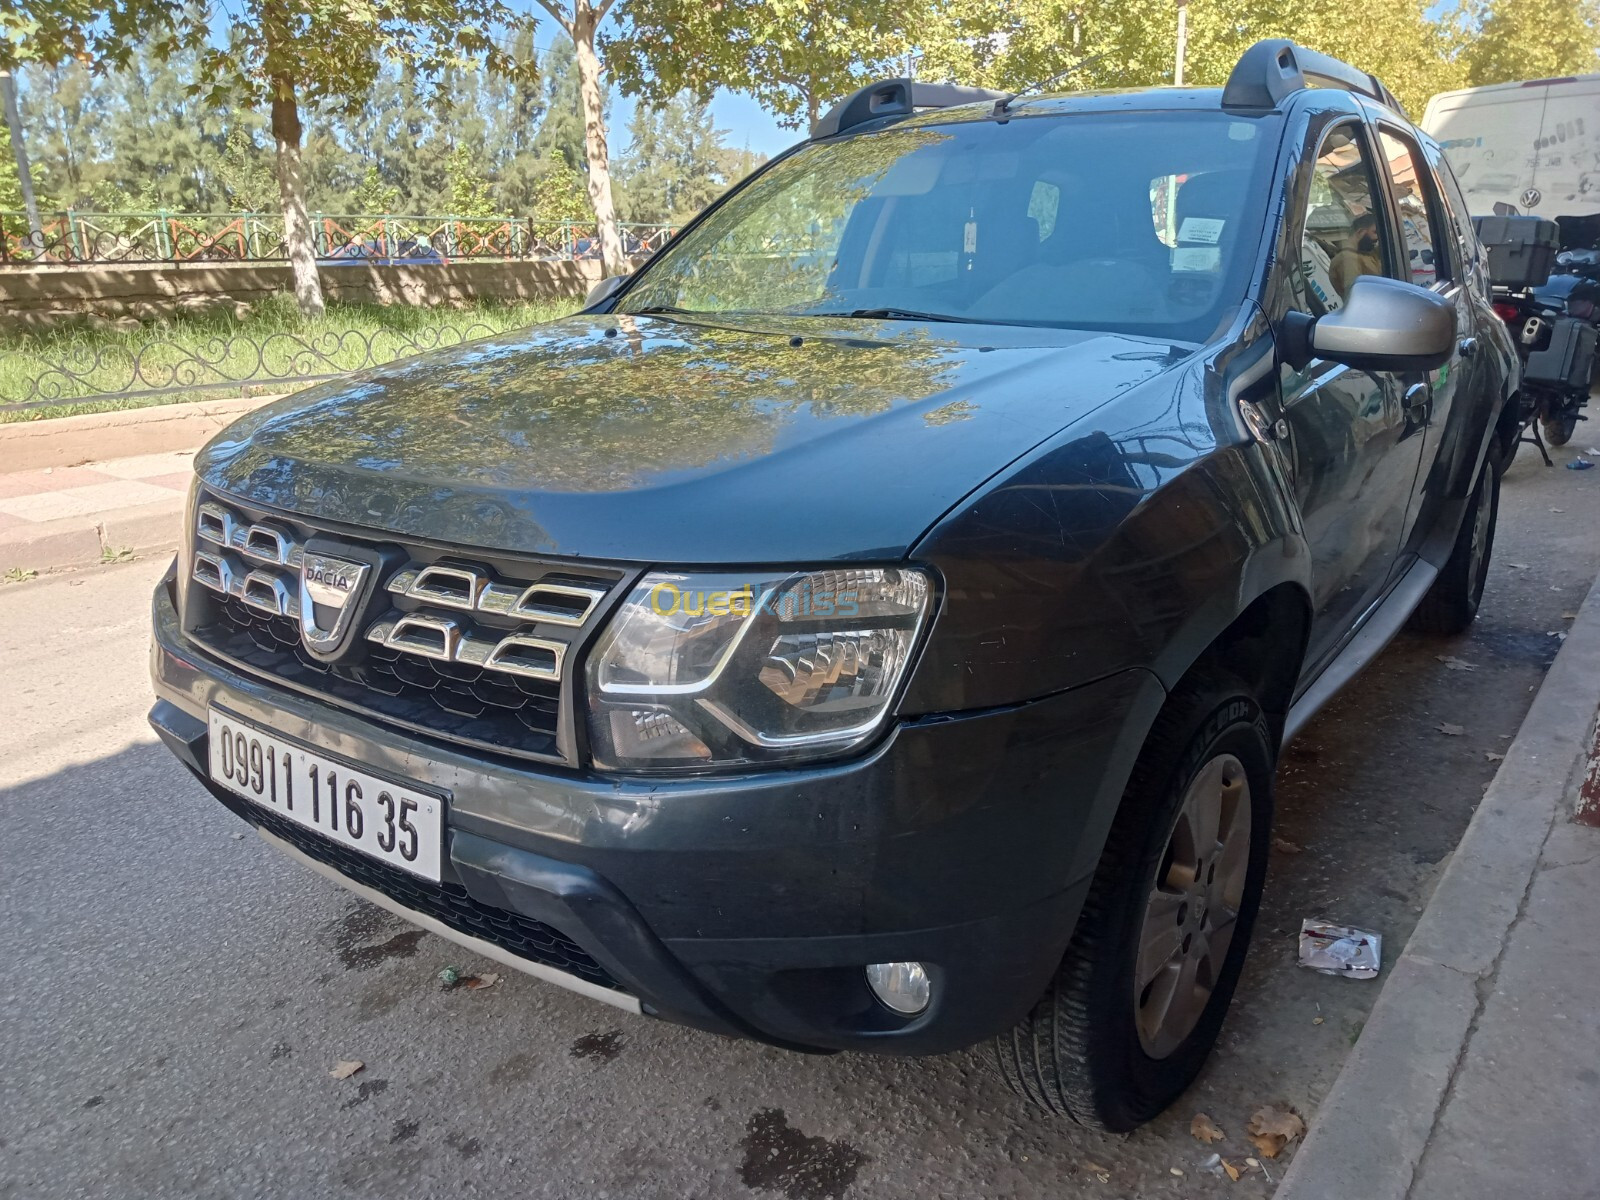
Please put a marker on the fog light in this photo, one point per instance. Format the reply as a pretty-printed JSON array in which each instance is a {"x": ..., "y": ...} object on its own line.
[{"x": 904, "y": 987}]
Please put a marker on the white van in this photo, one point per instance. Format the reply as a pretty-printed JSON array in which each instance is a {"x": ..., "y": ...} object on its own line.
[{"x": 1534, "y": 146}]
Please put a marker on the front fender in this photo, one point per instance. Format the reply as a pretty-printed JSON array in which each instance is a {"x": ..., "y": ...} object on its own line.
[{"x": 1132, "y": 539}]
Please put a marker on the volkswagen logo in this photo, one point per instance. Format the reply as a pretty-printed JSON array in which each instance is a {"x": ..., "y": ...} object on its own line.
[
  {"x": 331, "y": 590},
  {"x": 1531, "y": 198}
]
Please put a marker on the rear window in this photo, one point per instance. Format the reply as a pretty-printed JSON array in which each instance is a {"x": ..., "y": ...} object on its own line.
[{"x": 1141, "y": 223}]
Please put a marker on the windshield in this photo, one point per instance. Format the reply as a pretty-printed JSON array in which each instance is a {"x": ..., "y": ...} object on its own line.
[{"x": 1142, "y": 223}]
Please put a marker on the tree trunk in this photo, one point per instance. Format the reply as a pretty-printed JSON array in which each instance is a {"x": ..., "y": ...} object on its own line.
[
  {"x": 594, "y": 143},
  {"x": 19, "y": 149},
  {"x": 292, "y": 195}
]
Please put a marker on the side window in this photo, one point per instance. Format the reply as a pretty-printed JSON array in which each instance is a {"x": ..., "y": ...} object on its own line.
[
  {"x": 1427, "y": 261},
  {"x": 1455, "y": 205},
  {"x": 1343, "y": 236}
]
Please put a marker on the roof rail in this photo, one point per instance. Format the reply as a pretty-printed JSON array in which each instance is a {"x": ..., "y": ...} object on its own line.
[
  {"x": 896, "y": 98},
  {"x": 1276, "y": 68}
]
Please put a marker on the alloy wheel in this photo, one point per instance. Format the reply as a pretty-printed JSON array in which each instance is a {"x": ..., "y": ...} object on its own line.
[{"x": 1193, "y": 907}]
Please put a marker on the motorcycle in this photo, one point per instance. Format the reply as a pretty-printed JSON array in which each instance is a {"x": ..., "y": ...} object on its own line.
[{"x": 1556, "y": 325}]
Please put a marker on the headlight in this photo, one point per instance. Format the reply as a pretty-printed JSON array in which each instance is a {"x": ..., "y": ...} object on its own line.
[{"x": 717, "y": 670}]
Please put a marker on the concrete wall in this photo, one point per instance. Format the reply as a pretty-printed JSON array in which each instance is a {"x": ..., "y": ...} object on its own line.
[{"x": 35, "y": 297}]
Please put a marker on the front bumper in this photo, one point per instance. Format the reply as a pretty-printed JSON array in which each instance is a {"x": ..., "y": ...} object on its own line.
[{"x": 744, "y": 905}]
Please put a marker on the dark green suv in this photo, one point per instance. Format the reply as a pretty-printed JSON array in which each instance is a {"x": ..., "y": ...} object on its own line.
[{"x": 873, "y": 624}]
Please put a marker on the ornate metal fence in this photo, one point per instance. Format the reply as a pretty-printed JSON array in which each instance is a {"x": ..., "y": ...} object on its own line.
[
  {"x": 74, "y": 373},
  {"x": 74, "y": 236}
]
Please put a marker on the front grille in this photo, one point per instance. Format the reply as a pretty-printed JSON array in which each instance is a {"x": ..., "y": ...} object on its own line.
[
  {"x": 466, "y": 651},
  {"x": 447, "y": 903}
]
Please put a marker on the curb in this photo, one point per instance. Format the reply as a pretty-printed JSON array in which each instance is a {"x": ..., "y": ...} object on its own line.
[
  {"x": 71, "y": 441},
  {"x": 74, "y": 542},
  {"x": 1372, "y": 1129}
]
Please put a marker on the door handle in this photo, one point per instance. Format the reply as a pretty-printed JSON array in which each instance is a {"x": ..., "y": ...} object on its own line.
[{"x": 1468, "y": 347}]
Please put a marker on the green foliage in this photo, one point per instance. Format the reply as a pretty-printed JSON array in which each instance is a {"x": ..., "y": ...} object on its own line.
[
  {"x": 469, "y": 190},
  {"x": 792, "y": 56},
  {"x": 560, "y": 193},
  {"x": 1532, "y": 39},
  {"x": 244, "y": 171},
  {"x": 373, "y": 195},
  {"x": 1130, "y": 43},
  {"x": 11, "y": 186},
  {"x": 675, "y": 165}
]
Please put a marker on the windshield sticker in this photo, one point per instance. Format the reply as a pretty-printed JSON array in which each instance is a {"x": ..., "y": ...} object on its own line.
[
  {"x": 1196, "y": 258},
  {"x": 1206, "y": 230}
]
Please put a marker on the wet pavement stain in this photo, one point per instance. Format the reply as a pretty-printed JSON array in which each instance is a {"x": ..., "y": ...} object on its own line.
[
  {"x": 778, "y": 1158},
  {"x": 364, "y": 958},
  {"x": 354, "y": 934},
  {"x": 604, "y": 1046},
  {"x": 365, "y": 1092},
  {"x": 517, "y": 1069},
  {"x": 281, "y": 1050},
  {"x": 467, "y": 1147},
  {"x": 403, "y": 1131}
]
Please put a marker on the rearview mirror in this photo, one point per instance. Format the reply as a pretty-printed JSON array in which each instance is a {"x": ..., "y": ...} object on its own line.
[
  {"x": 604, "y": 290},
  {"x": 1385, "y": 325}
]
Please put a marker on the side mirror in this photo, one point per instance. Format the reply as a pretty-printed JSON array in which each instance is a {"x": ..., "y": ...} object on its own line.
[
  {"x": 604, "y": 290},
  {"x": 1385, "y": 325}
]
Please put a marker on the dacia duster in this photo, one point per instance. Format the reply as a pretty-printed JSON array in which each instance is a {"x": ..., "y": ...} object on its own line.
[{"x": 872, "y": 625}]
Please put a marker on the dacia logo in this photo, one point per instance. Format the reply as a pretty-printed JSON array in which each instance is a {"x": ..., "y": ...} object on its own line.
[
  {"x": 330, "y": 573},
  {"x": 330, "y": 594}
]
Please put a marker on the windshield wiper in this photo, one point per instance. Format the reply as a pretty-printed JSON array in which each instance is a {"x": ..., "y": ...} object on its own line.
[{"x": 894, "y": 314}]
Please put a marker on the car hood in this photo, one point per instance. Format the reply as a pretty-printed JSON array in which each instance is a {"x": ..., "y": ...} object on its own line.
[{"x": 653, "y": 440}]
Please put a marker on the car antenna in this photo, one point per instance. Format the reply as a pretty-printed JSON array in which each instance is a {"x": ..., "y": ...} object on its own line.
[{"x": 1003, "y": 105}]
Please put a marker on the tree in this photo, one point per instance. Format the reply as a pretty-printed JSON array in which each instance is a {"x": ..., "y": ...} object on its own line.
[
  {"x": 580, "y": 19},
  {"x": 676, "y": 161},
  {"x": 286, "y": 55},
  {"x": 1532, "y": 39},
  {"x": 559, "y": 194},
  {"x": 245, "y": 173},
  {"x": 469, "y": 190},
  {"x": 793, "y": 56},
  {"x": 1130, "y": 43}
]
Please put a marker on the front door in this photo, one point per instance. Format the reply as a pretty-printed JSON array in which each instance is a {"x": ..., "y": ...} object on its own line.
[{"x": 1353, "y": 446}]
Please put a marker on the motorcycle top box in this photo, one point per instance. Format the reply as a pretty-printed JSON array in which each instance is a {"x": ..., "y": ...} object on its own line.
[{"x": 1521, "y": 249}]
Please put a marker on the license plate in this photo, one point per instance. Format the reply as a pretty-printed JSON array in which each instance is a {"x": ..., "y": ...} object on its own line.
[{"x": 392, "y": 822}]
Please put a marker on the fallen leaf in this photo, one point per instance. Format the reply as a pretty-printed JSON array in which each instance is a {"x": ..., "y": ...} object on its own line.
[
  {"x": 478, "y": 982},
  {"x": 1203, "y": 1130},
  {"x": 1316, "y": 1020},
  {"x": 346, "y": 1067},
  {"x": 1453, "y": 663},
  {"x": 1493, "y": 757},
  {"x": 1103, "y": 1174},
  {"x": 1569, "y": 616},
  {"x": 1284, "y": 846},
  {"x": 1450, "y": 730},
  {"x": 1271, "y": 1129},
  {"x": 1233, "y": 1171}
]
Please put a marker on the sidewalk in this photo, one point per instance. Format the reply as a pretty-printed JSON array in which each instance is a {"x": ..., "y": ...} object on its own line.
[
  {"x": 54, "y": 518},
  {"x": 1478, "y": 1072}
]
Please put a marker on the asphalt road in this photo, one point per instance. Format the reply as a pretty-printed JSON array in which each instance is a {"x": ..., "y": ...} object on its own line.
[{"x": 175, "y": 993}]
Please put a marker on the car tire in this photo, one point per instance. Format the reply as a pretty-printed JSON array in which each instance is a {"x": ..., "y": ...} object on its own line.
[
  {"x": 1451, "y": 604},
  {"x": 1103, "y": 1046}
]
